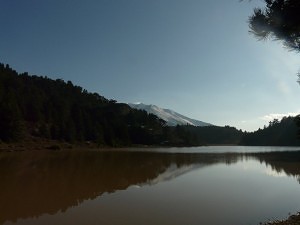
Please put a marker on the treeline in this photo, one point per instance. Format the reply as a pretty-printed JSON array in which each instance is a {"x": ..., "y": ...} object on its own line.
[
  {"x": 54, "y": 109},
  {"x": 216, "y": 135},
  {"x": 278, "y": 133},
  {"x": 36, "y": 106}
]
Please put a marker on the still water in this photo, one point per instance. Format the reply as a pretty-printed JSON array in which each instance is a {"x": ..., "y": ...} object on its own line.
[{"x": 241, "y": 186}]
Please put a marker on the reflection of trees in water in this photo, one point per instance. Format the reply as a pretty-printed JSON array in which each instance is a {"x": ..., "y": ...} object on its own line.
[
  {"x": 38, "y": 183},
  {"x": 288, "y": 162},
  {"x": 33, "y": 183}
]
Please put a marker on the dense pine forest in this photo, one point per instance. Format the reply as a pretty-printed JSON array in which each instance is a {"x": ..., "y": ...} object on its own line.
[
  {"x": 36, "y": 106},
  {"x": 278, "y": 133}
]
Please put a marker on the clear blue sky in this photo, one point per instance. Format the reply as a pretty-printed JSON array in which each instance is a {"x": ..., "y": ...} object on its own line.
[{"x": 193, "y": 56}]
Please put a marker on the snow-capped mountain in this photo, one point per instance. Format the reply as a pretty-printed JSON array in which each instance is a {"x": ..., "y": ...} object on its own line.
[{"x": 172, "y": 118}]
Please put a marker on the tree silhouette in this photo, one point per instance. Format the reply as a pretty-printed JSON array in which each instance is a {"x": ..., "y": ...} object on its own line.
[{"x": 280, "y": 20}]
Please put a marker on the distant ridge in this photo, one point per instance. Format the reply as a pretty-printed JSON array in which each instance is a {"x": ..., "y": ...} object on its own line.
[{"x": 171, "y": 117}]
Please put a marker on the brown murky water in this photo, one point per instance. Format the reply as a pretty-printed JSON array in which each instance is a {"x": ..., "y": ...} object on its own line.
[{"x": 138, "y": 187}]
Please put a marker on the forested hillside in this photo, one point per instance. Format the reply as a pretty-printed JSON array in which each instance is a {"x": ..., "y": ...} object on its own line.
[
  {"x": 278, "y": 133},
  {"x": 54, "y": 109}
]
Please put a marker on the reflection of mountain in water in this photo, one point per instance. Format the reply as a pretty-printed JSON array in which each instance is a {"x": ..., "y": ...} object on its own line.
[
  {"x": 174, "y": 171},
  {"x": 34, "y": 183}
]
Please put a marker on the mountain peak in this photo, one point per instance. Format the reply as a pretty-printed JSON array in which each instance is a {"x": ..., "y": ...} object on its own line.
[{"x": 171, "y": 117}]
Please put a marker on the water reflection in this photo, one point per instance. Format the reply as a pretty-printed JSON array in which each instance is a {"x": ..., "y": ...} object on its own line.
[
  {"x": 287, "y": 162},
  {"x": 35, "y": 183}
]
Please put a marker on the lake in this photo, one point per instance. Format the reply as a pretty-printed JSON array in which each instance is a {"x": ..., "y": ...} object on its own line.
[{"x": 204, "y": 185}]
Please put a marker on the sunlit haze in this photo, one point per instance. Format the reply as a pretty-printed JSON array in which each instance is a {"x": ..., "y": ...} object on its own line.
[{"x": 195, "y": 57}]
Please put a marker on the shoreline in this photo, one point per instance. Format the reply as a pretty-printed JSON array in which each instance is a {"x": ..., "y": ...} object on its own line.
[
  {"x": 36, "y": 143},
  {"x": 291, "y": 220},
  {"x": 40, "y": 144}
]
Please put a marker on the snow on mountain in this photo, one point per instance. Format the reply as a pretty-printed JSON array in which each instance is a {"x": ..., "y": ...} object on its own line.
[{"x": 171, "y": 117}]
